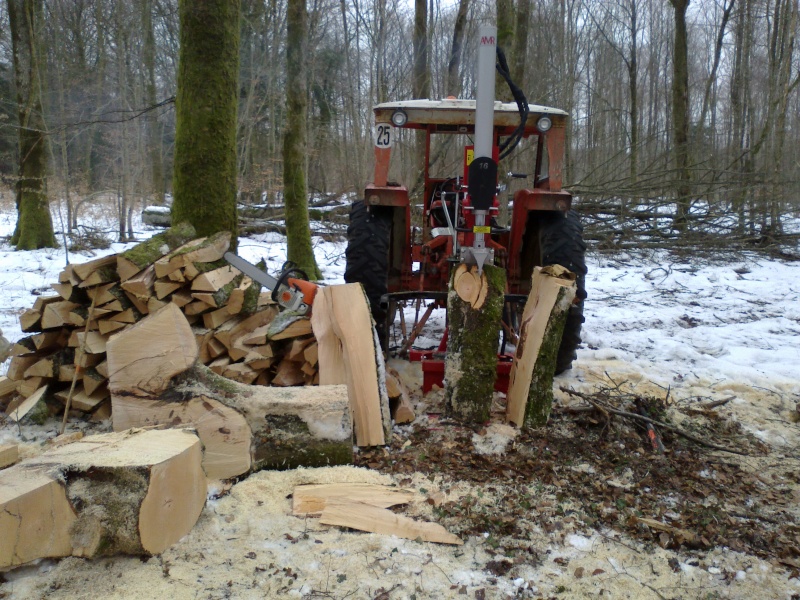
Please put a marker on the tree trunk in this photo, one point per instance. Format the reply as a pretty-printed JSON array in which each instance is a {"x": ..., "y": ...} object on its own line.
[
  {"x": 204, "y": 181},
  {"x": 295, "y": 195},
  {"x": 474, "y": 312},
  {"x": 519, "y": 60},
  {"x": 453, "y": 66},
  {"x": 505, "y": 41},
  {"x": 34, "y": 227},
  {"x": 153, "y": 139},
  {"x": 680, "y": 115}
]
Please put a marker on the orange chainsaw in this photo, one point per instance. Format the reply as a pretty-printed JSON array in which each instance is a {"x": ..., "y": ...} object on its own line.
[{"x": 291, "y": 289}]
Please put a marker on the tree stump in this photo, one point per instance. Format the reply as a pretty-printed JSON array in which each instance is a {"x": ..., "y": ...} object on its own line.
[{"x": 474, "y": 313}]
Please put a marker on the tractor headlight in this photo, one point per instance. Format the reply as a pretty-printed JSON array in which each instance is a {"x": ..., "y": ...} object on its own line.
[
  {"x": 399, "y": 118},
  {"x": 544, "y": 124}
]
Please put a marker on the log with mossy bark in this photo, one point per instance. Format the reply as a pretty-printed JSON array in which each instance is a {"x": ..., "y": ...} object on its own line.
[
  {"x": 135, "y": 492},
  {"x": 141, "y": 256},
  {"x": 474, "y": 313},
  {"x": 530, "y": 391}
]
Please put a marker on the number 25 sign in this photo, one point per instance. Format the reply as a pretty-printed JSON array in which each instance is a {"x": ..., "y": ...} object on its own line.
[{"x": 383, "y": 135}]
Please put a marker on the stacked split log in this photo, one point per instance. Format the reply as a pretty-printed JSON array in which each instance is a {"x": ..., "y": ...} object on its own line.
[{"x": 234, "y": 324}]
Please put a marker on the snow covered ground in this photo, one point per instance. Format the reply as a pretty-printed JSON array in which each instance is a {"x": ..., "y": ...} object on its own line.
[{"x": 690, "y": 328}]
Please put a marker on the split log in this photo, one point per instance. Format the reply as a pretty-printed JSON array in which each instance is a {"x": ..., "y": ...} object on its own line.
[
  {"x": 141, "y": 256},
  {"x": 288, "y": 374},
  {"x": 135, "y": 492},
  {"x": 83, "y": 399},
  {"x": 9, "y": 454},
  {"x": 18, "y": 366},
  {"x": 30, "y": 386},
  {"x": 163, "y": 289},
  {"x": 473, "y": 334},
  {"x": 7, "y": 386},
  {"x": 310, "y": 500},
  {"x": 202, "y": 250},
  {"x": 214, "y": 280},
  {"x": 85, "y": 270},
  {"x": 399, "y": 402},
  {"x": 362, "y": 516},
  {"x": 32, "y": 408},
  {"x": 530, "y": 390},
  {"x": 56, "y": 314},
  {"x": 254, "y": 323},
  {"x": 140, "y": 285},
  {"x": 347, "y": 309},
  {"x": 288, "y": 325},
  {"x": 101, "y": 294},
  {"x": 48, "y": 367},
  {"x": 244, "y": 298},
  {"x": 142, "y": 359},
  {"x": 31, "y": 320}
]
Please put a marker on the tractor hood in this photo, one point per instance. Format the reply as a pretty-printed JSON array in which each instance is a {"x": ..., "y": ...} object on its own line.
[{"x": 461, "y": 112}]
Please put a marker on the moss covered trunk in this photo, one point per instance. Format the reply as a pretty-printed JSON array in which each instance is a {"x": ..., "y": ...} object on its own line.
[
  {"x": 295, "y": 195},
  {"x": 473, "y": 335},
  {"x": 204, "y": 179},
  {"x": 34, "y": 227}
]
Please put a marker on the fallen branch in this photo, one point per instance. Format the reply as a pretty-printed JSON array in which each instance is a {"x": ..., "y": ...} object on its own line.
[{"x": 604, "y": 408}]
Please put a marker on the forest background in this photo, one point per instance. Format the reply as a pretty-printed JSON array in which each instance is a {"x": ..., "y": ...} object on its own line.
[{"x": 685, "y": 114}]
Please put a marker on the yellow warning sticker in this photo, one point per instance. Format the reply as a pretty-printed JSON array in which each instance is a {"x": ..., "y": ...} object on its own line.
[
  {"x": 470, "y": 156},
  {"x": 482, "y": 229}
]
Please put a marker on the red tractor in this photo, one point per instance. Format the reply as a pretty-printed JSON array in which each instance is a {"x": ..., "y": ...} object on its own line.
[{"x": 402, "y": 250}]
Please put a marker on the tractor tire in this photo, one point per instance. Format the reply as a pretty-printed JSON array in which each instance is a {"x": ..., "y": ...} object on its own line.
[
  {"x": 367, "y": 256},
  {"x": 561, "y": 243}
]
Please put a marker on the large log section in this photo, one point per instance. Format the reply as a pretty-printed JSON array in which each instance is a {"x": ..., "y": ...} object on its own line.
[
  {"x": 136, "y": 492},
  {"x": 474, "y": 312},
  {"x": 155, "y": 379}
]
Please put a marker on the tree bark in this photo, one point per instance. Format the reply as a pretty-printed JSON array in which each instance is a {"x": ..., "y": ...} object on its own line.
[
  {"x": 530, "y": 390},
  {"x": 34, "y": 227},
  {"x": 295, "y": 193},
  {"x": 505, "y": 41},
  {"x": 456, "y": 50},
  {"x": 204, "y": 180},
  {"x": 680, "y": 115},
  {"x": 474, "y": 311},
  {"x": 153, "y": 137}
]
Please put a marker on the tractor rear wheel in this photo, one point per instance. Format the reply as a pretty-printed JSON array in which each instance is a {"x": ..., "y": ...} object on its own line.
[
  {"x": 561, "y": 243},
  {"x": 367, "y": 255}
]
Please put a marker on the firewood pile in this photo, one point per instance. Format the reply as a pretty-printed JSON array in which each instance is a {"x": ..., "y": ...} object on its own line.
[{"x": 239, "y": 330}]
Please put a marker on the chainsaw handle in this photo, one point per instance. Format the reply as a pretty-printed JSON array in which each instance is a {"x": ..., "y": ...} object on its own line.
[
  {"x": 286, "y": 276},
  {"x": 307, "y": 288}
]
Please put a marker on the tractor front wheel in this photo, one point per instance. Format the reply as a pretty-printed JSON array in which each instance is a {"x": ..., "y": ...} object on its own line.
[
  {"x": 561, "y": 243},
  {"x": 367, "y": 255}
]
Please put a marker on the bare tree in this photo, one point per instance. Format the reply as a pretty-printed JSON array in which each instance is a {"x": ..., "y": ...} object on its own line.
[{"x": 681, "y": 114}]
